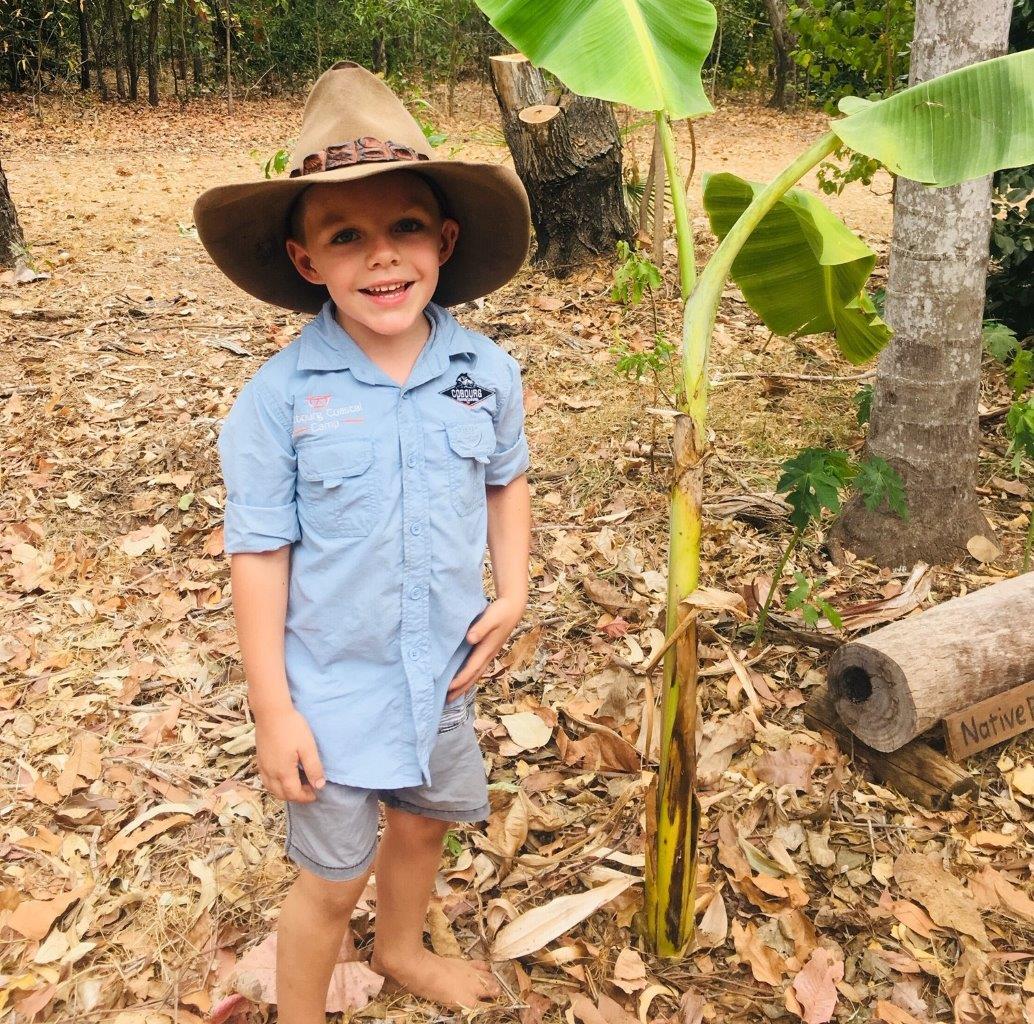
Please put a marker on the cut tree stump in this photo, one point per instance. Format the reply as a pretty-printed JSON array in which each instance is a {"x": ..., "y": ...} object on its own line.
[
  {"x": 902, "y": 679},
  {"x": 567, "y": 151},
  {"x": 915, "y": 770}
]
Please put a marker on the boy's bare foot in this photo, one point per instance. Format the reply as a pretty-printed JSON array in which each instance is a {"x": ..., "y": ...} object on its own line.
[{"x": 445, "y": 980}]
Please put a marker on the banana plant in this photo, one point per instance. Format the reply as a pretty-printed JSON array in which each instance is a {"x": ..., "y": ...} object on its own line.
[{"x": 802, "y": 271}]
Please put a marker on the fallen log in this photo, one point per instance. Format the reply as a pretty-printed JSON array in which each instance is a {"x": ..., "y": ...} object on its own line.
[
  {"x": 916, "y": 770},
  {"x": 897, "y": 682}
]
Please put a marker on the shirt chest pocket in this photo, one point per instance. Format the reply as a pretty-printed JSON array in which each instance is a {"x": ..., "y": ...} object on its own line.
[
  {"x": 469, "y": 447},
  {"x": 336, "y": 488}
]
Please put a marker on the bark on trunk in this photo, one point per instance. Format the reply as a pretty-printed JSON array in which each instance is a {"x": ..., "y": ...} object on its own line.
[
  {"x": 924, "y": 411},
  {"x": 152, "y": 57},
  {"x": 782, "y": 43},
  {"x": 84, "y": 49},
  {"x": 569, "y": 157},
  {"x": 895, "y": 683},
  {"x": 10, "y": 230},
  {"x": 95, "y": 32}
]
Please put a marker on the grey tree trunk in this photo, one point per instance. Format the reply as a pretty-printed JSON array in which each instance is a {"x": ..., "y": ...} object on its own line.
[
  {"x": 924, "y": 411},
  {"x": 10, "y": 230}
]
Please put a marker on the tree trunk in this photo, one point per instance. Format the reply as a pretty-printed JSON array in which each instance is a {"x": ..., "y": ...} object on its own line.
[
  {"x": 782, "y": 43},
  {"x": 11, "y": 236},
  {"x": 117, "y": 17},
  {"x": 569, "y": 157},
  {"x": 84, "y": 48},
  {"x": 96, "y": 33},
  {"x": 152, "y": 45},
  {"x": 924, "y": 410}
]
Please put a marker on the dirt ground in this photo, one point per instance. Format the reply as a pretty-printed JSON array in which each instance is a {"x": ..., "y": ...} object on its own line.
[{"x": 142, "y": 861}]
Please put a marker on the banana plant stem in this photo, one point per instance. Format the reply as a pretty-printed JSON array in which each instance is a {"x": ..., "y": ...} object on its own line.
[{"x": 683, "y": 226}]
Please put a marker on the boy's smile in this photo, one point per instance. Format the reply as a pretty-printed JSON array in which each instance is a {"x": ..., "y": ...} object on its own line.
[{"x": 376, "y": 244}]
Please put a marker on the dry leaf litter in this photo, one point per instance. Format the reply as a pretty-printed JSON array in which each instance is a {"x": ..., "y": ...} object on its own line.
[{"x": 142, "y": 860}]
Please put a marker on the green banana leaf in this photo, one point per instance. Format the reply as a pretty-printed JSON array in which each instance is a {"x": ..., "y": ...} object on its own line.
[
  {"x": 962, "y": 125},
  {"x": 646, "y": 53},
  {"x": 802, "y": 270}
]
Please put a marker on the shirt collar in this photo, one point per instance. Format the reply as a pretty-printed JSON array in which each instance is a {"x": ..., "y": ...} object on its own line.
[{"x": 326, "y": 345}]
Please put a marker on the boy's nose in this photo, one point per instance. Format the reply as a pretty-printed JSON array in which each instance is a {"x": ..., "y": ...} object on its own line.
[{"x": 383, "y": 251}]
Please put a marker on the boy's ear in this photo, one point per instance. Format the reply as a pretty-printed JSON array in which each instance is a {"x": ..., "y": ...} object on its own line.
[
  {"x": 302, "y": 263},
  {"x": 450, "y": 232}
]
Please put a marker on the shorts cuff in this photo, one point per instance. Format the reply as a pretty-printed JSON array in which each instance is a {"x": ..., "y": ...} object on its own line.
[
  {"x": 333, "y": 874},
  {"x": 475, "y": 814}
]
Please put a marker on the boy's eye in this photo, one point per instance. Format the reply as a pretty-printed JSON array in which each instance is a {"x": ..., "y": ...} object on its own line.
[
  {"x": 340, "y": 236},
  {"x": 410, "y": 224},
  {"x": 407, "y": 225}
]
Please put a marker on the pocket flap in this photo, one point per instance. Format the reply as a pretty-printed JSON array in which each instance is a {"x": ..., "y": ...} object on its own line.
[
  {"x": 330, "y": 464},
  {"x": 472, "y": 440}
]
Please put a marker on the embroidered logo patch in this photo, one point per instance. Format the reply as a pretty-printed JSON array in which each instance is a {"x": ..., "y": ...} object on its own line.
[
  {"x": 467, "y": 391},
  {"x": 318, "y": 401}
]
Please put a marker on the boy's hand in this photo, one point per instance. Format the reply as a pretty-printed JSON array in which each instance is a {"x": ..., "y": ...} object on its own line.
[
  {"x": 487, "y": 635},
  {"x": 281, "y": 742}
]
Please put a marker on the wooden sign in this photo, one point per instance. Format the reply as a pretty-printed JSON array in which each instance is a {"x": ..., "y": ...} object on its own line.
[{"x": 991, "y": 721}]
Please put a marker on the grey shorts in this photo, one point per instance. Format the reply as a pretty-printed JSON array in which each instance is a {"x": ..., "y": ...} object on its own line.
[{"x": 335, "y": 836}]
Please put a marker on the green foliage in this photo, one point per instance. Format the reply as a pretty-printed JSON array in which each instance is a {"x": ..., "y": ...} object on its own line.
[
  {"x": 953, "y": 128},
  {"x": 1022, "y": 371},
  {"x": 877, "y": 482},
  {"x": 833, "y": 178},
  {"x": 862, "y": 402},
  {"x": 815, "y": 480},
  {"x": 802, "y": 270},
  {"x": 812, "y": 481},
  {"x": 656, "y": 360},
  {"x": 852, "y": 47},
  {"x": 274, "y": 165},
  {"x": 1010, "y": 280},
  {"x": 275, "y": 44},
  {"x": 811, "y": 605},
  {"x": 640, "y": 52},
  {"x": 999, "y": 341},
  {"x": 635, "y": 274},
  {"x": 453, "y": 844},
  {"x": 1020, "y": 426}
]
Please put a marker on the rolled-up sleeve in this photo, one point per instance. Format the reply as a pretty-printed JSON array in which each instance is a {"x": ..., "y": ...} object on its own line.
[
  {"x": 510, "y": 458},
  {"x": 259, "y": 469}
]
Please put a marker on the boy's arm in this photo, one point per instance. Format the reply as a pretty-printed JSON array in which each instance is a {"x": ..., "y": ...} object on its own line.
[
  {"x": 259, "y": 583},
  {"x": 283, "y": 739},
  {"x": 509, "y": 547}
]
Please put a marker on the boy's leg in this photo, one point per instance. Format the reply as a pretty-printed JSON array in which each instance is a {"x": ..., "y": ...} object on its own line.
[
  {"x": 314, "y": 920},
  {"x": 332, "y": 840},
  {"x": 409, "y": 856}
]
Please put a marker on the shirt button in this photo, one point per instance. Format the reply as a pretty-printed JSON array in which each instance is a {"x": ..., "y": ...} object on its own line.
[
  {"x": 411, "y": 461},
  {"x": 414, "y": 654},
  {"x": 405, "y": 394},
  {"x": 416, "y": 592},
  {"x": 415, "y": 528}
]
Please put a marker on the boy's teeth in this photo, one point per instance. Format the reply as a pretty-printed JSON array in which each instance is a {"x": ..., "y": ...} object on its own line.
[{"x": 381, "y": 291}]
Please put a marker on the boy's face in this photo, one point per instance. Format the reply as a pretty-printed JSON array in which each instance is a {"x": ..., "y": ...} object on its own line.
[{"x": 365, "y": 234}]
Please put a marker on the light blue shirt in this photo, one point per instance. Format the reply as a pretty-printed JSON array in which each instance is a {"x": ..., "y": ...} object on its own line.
[{"x": 379, "y": 488}]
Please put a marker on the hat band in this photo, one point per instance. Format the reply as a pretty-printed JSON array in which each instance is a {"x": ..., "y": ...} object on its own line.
[{"x": 366, "y": 150}]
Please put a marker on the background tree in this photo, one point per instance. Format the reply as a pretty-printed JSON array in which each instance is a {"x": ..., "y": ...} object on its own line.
[
  {"x": 924, "y": 419},
  {"x": 11, "y": 237},
  {"x": 783, "y": 43}
]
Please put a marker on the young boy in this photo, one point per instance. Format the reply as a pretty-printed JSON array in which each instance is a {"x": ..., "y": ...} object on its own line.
[{"x": 366, "y": 465}]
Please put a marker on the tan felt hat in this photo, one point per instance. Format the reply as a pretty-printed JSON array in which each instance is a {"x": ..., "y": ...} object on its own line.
[{"x": 354, "y": 126}]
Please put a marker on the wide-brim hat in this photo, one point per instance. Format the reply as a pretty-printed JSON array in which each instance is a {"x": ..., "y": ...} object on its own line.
[{"x": 354, "y": 126}]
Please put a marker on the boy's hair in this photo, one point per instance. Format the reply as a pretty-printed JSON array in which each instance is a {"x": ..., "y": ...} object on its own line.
[{"x": 296, "y": 216}]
